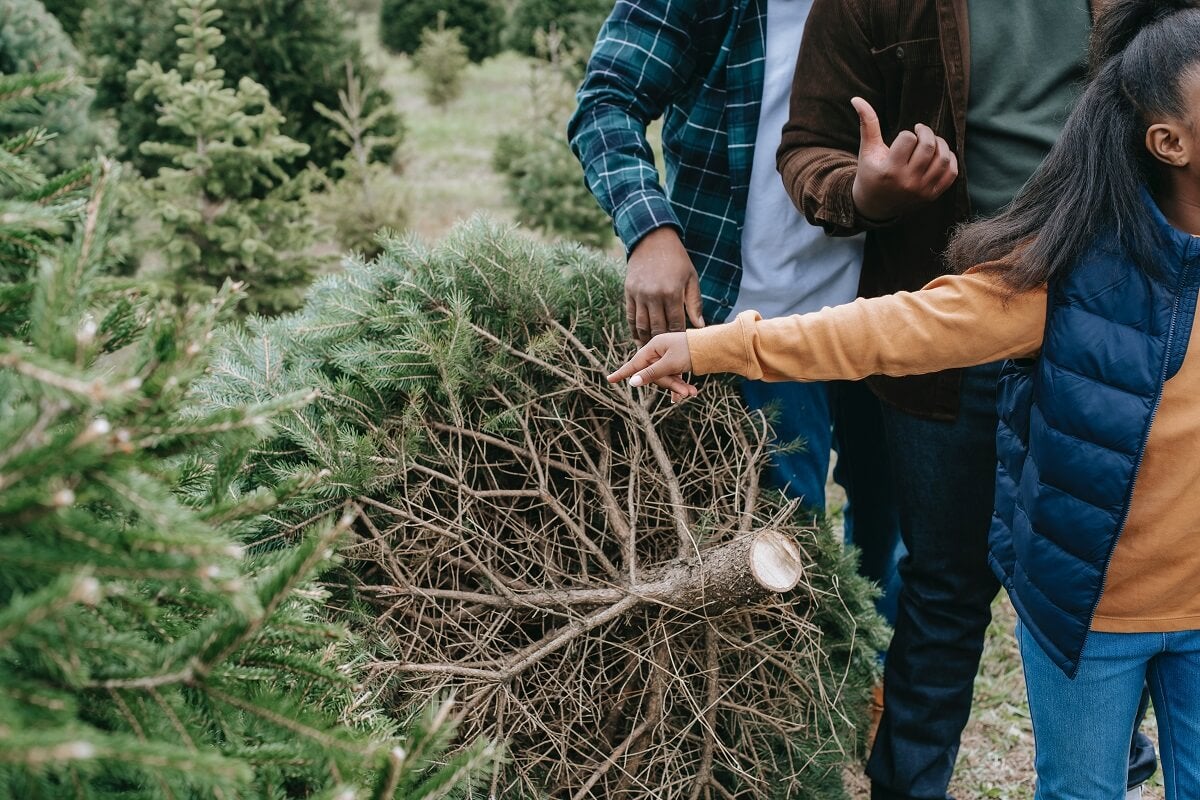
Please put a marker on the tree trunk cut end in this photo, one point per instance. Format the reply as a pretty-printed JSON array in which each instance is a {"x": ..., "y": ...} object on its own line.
[{"x": 775, "y": 561}]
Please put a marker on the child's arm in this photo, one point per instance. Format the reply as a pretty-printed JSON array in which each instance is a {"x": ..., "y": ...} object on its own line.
[{"x": 955, "y": 321}]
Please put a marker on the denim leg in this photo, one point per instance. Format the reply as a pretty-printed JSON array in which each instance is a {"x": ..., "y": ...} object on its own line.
[
  {"x": 944, "y": 479},
  {"x": 872, "y": 523},
  {"x": 798, "y": 411},
  {"x": 1143, "y": 762},
  {"x": 1081, "y": 726},
  {"x": 1175, "y": 685}
]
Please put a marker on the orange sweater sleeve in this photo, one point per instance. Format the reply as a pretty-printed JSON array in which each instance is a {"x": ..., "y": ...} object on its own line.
[{"x": 955, "y": 321}]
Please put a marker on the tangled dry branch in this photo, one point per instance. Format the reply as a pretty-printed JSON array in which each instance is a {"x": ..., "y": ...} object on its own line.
[
  {"x": 572, "y": 560},
  {"x": 579, "y": 577}
]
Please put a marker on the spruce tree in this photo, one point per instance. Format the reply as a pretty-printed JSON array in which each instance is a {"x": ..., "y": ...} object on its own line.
[
  {"x": 35, "y": 209},
  {"x": 441, "y": 60},
  {"x": 367, "y": 196},
  {"x": 541, "y": 542},
  {"x": 31, "y": 40},
  {"x": 69, "y": 13},
  {"x": 541, "y": 174},
  {"x": 402, "y": 21},
  {"x": 578, "y": 21},
  {"x": 224, "y": 207},
  {"x": 297, "y": 49},
  {"x": 146, "y": 651}
]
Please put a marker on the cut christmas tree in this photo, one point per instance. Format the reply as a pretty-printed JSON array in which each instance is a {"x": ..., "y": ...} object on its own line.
[{"x": 597, "y": 574}]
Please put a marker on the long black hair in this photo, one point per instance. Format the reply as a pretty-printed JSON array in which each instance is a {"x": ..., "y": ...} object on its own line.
[{"x": 1090, "y": 183}]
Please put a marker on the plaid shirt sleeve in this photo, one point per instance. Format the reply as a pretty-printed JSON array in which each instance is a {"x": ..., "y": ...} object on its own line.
[{"x": 643, "y": 61}]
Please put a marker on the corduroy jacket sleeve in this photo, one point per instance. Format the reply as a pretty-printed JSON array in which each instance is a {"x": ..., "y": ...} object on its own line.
[
  {"x": 818, "y": 156},
  {"x": 643, "y": 61}
]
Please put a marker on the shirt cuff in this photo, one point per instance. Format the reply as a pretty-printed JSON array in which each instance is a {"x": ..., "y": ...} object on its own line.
[
  {"x": 641, "y": 213},
  {"x": 722, "y": 348},
  {"x": 846, "y": 214}
]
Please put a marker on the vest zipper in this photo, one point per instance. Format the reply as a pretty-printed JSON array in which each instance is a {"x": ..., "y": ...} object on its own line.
[{"x": 1137, "y": 467}]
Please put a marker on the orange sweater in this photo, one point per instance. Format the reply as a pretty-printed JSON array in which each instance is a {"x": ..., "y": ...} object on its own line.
[{"x": 962, "y": 320}]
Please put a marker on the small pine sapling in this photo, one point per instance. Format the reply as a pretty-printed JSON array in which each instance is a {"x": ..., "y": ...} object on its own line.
[
  {"x": 442, "y": 61},
  {"x": 224, "y": 208},
  {"x": 367, "y": 195}
]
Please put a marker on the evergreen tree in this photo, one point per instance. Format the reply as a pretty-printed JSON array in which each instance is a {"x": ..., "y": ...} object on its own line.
[
  {"x": 297, "y": 49},
  {"x": 368, "y": 196},
  {"x": 509, "y": 503},
  {"x": 145, "y": 651},
  {"x": 541, "y": 175},
  {"x": 35, "y": 209},
  {"x": 402, "y": 21},
  {"x": 69, "y": 13},
  {"x": 31, "y": 40},
  {"x": 224, "y": 208},
  {"x": 441, "y": 59},
  {"x": 578, "y": 21}
]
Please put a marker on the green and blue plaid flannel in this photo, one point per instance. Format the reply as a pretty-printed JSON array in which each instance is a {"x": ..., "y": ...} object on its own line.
[{"x": 698, "y": 64}]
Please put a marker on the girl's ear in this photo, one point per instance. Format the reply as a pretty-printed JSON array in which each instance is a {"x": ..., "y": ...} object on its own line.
[{"x": 1171, "y": 143}]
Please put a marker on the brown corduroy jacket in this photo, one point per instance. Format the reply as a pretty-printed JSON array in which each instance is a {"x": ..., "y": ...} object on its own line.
[{"x": 909, "y": 59}]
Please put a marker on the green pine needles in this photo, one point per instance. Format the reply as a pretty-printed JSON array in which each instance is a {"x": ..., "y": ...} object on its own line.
[
  {"x": 35, "y": 208},
  {"x": 146, "y": 652},
  {"x": 224, "y": 208},
  {"x": 541, "y": 543},
  {"x": 442, "y": 61}
]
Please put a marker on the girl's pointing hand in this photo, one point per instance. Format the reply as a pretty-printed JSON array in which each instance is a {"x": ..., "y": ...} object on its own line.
[{"x": 661, "y": 362}]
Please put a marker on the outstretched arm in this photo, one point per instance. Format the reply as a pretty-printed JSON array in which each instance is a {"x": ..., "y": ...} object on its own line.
[{"x": 955, "y": 321}]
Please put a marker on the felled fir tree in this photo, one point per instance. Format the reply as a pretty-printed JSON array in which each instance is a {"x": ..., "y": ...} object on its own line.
[
  {"x": 35, "y": 209},
  {"x": 145, "y": 652},
  {"x": 545, "y": 544},
  {"x": 224, "y": 208}
]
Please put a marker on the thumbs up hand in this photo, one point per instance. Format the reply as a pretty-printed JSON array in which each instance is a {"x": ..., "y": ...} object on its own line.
[{"x": 917, "y": 168}]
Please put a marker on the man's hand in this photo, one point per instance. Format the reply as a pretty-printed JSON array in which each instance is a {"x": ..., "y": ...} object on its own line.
[
  {"x": 662, "y": 290},
  {"x": 661, "y": 362},
  {"x": 918, "y": 168}
]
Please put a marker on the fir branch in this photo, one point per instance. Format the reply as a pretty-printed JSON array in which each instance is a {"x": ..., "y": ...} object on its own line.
[{"x": 31, "y": 610}]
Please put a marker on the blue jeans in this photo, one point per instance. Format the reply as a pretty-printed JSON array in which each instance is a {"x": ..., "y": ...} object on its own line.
[
  {"x": 1081, "y": 727},
  {"x": 944, "y": 478},
  {"x": 846, "y": 417}
]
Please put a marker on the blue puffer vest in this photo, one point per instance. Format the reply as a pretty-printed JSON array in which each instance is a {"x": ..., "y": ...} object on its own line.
[{"x": 1073, "y": 428}]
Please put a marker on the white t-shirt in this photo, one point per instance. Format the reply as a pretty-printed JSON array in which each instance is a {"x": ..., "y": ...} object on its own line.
[{"x": 788, "y": 266}]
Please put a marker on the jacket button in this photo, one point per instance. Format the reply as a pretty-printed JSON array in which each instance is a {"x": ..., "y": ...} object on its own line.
[{"x": 900, "y": 53}]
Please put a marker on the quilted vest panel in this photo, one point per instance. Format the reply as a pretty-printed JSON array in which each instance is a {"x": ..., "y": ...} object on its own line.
[{"x": 1073, "y": 426}]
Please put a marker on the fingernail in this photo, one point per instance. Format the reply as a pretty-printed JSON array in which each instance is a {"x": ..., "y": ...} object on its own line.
[{"x": 635, "y": 381}]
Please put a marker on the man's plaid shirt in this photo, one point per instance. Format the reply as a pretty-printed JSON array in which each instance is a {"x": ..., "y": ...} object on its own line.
[{"x": 699, "y": 65}]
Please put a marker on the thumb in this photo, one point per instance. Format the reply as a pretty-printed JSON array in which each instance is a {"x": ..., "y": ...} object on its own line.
[
  {"x": 870, "y": 136},
  {"x": 692, "y": 303}
]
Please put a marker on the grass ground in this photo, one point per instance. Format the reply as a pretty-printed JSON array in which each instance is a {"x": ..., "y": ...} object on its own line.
[{"x": 448, "y": 174}]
